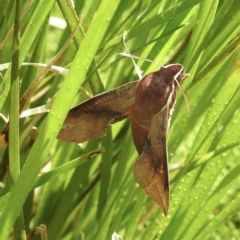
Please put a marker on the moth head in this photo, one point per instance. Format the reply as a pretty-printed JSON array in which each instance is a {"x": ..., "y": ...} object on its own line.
[
  {"x": 177, "y": 71},
  {"x": 178, "y": 78}
]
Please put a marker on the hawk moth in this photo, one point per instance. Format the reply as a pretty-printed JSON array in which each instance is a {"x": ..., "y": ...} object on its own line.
[{"x": 149, "y": 104}]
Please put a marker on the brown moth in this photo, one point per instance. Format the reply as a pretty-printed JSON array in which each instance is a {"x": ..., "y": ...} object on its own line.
[{"x": 149, "y": 104}]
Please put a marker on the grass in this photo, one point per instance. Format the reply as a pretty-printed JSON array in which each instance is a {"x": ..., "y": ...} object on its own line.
[{"x": 59, "y": 191}]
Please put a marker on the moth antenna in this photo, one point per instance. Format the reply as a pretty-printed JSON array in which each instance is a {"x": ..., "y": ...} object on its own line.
[
  {"x": 140, "y": 58},
  {"x": 183, "y": 93},
  {"x": 138, "y": 70}
]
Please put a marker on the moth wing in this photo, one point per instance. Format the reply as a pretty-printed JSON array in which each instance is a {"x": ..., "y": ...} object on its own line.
[
  {"x": 151, "y": 170},
  {"x": 91, "y": 118}
]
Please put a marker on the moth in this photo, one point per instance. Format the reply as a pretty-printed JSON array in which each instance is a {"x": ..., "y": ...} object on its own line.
[{"x": 149, "y": 104}]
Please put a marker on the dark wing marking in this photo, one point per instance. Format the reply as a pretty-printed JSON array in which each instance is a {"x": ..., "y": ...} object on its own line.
[{"x": 91, "y": 118}]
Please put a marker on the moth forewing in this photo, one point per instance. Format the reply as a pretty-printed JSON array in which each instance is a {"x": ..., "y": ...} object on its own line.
[
  {"x": 151, "y": 170},
  {"x": 91, "y": 118}
]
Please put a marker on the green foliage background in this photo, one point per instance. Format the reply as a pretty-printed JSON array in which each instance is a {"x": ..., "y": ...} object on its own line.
[{"x": 77, "y": 198}]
